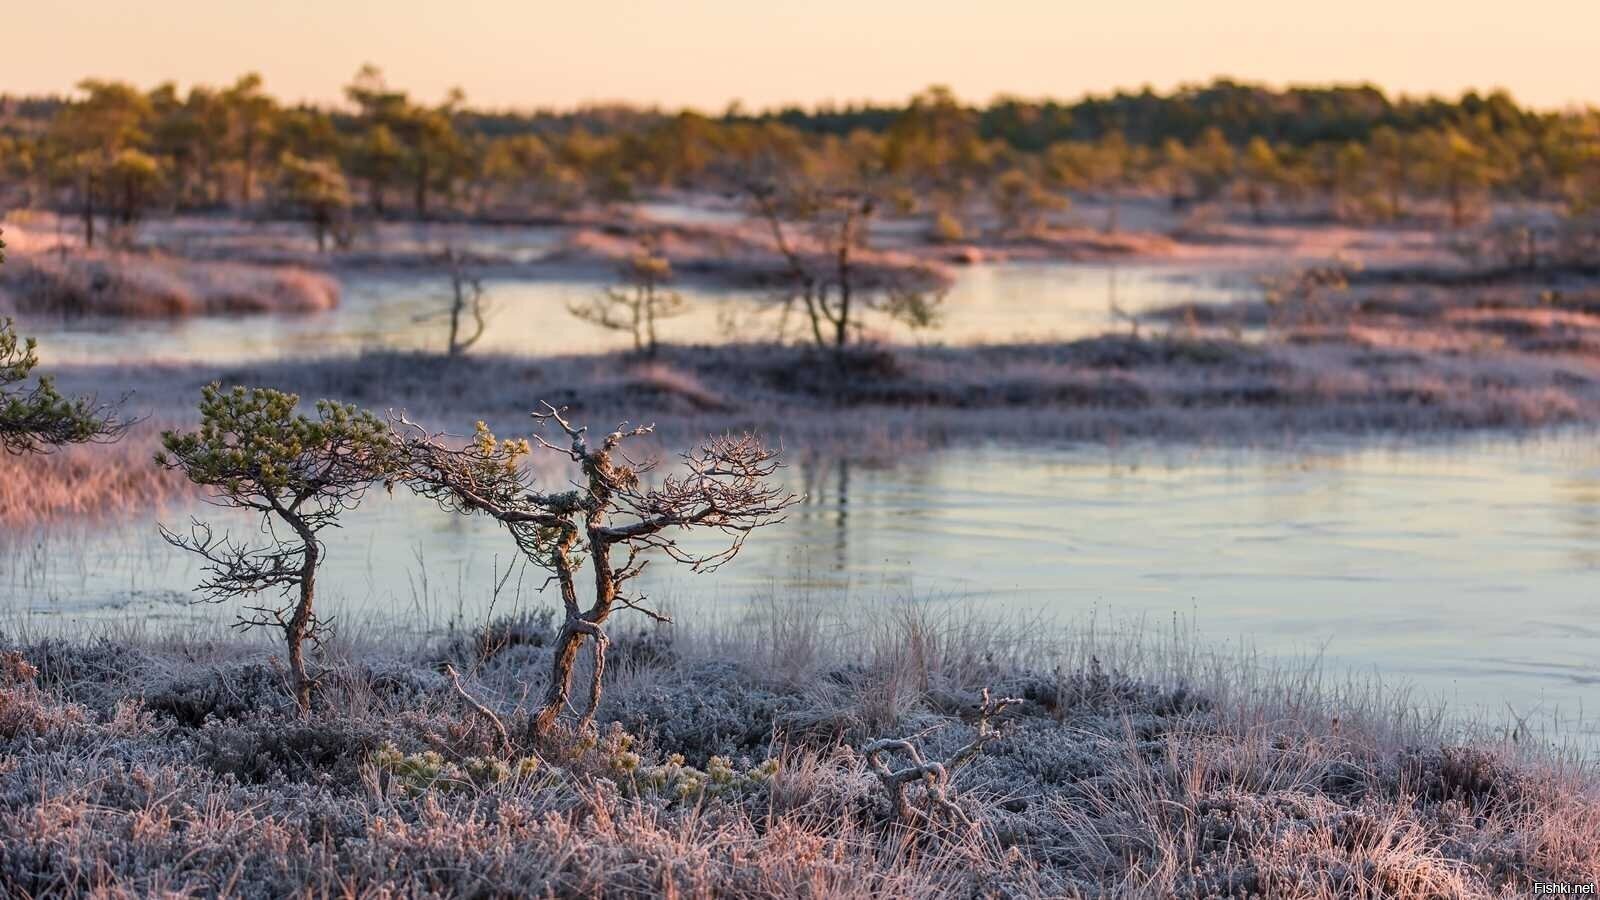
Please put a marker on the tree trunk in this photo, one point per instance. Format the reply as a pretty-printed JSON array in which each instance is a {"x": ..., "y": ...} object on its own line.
[
  {"x": 457, "y": 304},
  {"x": 568, "y": 642},
  {"x": 588, "y": 624},
  {"x": 841, "y": 325},
  {"x": 88, "y": 211},
  {"x": 300, "y": 624},
  {"x": 422, "y": 189},
  {"x": 815, "y": 314}
]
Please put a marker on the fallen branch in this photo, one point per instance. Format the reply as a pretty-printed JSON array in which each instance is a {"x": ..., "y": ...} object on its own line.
[
  {"x": 934, "y": 775},
  {"x": 483, "y": 711}
]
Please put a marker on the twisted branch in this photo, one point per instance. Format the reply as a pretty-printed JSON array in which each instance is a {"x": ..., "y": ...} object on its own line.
[{"x": 934, "y": 775}]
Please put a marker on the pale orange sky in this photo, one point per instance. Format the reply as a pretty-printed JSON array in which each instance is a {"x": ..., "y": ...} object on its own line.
[{"x": 704, "y": 54}]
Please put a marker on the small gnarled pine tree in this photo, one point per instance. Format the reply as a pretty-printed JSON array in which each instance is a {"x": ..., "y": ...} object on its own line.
[
  {"x": 820, "y": 230},
  {"x": 637, "y": 306},
  {"x": 256, "y": 452},
  {"x": 35, "y": 417},
  {"x": 611, "y": 518}
]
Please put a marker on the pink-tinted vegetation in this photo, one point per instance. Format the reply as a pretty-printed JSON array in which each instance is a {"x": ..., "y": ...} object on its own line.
[
  {"x": 1385, "y": 357},
  {"x": 732, "y": 766},
  {"x": 143, "y": 286},
  {"x": 86, "y": 483}
]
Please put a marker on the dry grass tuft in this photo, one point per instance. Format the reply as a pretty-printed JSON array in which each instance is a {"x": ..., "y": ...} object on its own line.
[{"x": 87, "y": 483}]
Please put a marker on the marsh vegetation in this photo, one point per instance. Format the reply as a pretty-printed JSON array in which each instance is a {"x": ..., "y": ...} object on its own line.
[
  {"x": 740, "y": 763},
  {"x": 371, "y": 301}
]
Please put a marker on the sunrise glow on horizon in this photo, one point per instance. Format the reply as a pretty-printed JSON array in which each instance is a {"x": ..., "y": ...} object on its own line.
[{"x": 708, "y": 54}]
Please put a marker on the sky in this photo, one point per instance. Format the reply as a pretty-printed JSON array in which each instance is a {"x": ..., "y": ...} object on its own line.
[{"x": 705, "y": 53}]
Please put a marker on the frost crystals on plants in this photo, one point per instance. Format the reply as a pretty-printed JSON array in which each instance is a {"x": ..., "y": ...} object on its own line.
[
  {"x": 935, "y": 776},
  {"x": 256, "y": 453},
  {"x": 610, "y": 514}
]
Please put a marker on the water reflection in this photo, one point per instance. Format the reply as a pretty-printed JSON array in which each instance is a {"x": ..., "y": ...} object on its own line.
[
  {"x": 1468, "y": 568},
  {"x": 1579, "y": 496},
  {"x": 987, "y": 303}
]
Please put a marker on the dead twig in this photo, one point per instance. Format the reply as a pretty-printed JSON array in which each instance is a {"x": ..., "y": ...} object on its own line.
[
  {"x": 483, "y": 711},
  {"x": 934, "y": 775}
]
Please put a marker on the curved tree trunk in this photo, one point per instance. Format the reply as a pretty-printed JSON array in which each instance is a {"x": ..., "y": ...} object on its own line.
[
  {"x": 568, "y": 642},
  {"x": 299, "y": 627},
  {"x": 574, "y": 630},
  {"x": 589, "y": 623}
]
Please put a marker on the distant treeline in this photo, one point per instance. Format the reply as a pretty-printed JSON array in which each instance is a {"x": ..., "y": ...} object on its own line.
[
  {"x": 1297, "y": 116},
  {"x": 116, "y": 152}
]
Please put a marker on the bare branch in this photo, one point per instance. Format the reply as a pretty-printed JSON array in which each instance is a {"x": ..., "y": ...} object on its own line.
[
  {"x": 237, "y": 569},
  {"x": 723, "y": 487},
  {"x": 484, "y": 712},
  {"x": 934, "y": 775}
]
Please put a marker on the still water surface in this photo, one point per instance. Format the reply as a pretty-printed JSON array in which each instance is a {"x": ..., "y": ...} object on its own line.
[
  {"x": 1466, "y": 569},
  {"x": 1013, "y": 302},
  {"x": 1469, "y": 569}
]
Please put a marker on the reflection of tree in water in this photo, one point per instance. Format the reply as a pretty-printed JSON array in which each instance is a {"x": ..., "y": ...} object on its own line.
[
  {"x": 827, "y": 498},
  {"x": 1579, "y": 498},
  {"x": 882, "y": 554}
]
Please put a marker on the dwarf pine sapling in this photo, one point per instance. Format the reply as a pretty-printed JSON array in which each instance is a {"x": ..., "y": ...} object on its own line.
[
  {"x": 256, "y": 452},
  {"x": 35, "y": 417}
]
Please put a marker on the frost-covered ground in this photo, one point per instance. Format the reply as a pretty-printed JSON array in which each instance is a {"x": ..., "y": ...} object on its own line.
[
  {"x": 729, "y": 764},
  {"x": 137, "y": 286},
  {"x": 1403, "y": 361}
]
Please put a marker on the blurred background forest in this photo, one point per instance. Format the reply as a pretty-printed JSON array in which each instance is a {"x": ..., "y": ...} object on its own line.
[{"x": 1347, "y": 153}]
